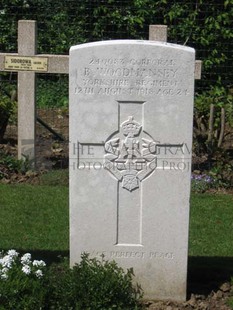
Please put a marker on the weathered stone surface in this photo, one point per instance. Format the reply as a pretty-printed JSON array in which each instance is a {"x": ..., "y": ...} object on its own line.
[{"x": 131, "y": 108}]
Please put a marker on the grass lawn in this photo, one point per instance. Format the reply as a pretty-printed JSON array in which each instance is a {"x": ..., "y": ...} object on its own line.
[
  {"x": 35, "y": 219},
  {"x": 210, "y": 242},
  {"x": 211, "y": 225}
]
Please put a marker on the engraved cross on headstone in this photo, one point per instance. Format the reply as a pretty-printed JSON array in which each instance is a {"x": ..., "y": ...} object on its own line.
[{"x": 130, "y": 155}]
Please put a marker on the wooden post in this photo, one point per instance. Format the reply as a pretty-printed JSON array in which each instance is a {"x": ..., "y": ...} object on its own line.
[
  {"x": 27, "y": 44},
  {"x": 15, "y": 62},
  {"x": 158, "y": 33}
]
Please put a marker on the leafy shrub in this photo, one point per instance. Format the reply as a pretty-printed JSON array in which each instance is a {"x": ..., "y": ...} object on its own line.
[
  {"x": 91, "y": 284},
  {"x": 201, "y": 183},
  {"x": 21, "y": 282},
  {"x": 222, "y": 169},
  {"x": 213, "y": 109},
  {"x": 9, "y": 164},
  {"x": 52, "y": 92},
  {"x": 7, "y": 108},
  {"x": 219, "y": 176},
  {"x": 60, "y": 287}
]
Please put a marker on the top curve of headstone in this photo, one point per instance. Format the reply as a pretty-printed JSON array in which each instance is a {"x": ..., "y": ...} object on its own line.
[{"x": 132, "y": 42}]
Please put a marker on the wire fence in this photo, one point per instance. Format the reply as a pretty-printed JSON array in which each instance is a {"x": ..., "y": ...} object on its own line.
[
  {"x": 61, "y": 24},
  {"x": 204, "y": 26}
]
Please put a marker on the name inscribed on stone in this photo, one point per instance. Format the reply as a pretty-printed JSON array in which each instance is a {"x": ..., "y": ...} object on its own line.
[
  {"x": 129, "y": 76},
  {"x": 23, "y": 63}
]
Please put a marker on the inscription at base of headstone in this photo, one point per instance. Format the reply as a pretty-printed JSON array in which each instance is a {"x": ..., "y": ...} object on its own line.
[{"x": 131, "y": 111}]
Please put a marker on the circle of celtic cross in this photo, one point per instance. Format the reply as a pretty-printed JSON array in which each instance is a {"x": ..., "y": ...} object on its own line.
[{"x": 130, "y": 157}]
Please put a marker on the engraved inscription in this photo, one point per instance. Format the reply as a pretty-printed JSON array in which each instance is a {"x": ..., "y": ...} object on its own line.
[
  {"x": 134, "y": 254},
  {"x": 132, "y": 158},
  {"x": 132, "y": 61},
  {"x": 128, "y": 76},
  {"x": 128, "y": 254},
  {"x": 131, "y": 72},
  {"x": 161, "y": 255}
]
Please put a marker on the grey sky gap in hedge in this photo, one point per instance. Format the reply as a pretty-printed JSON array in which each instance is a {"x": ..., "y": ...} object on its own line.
[{"x": 131, "y": 109}]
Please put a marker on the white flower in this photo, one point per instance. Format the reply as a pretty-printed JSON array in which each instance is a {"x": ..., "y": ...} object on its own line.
[
  {"x": 12, "y": 253},
  {"x": 4, "y": 276},
  {"x": 26, "y": 269},
  {"x": 26, "y": 259},
  {"x": 3, "y": 273},
  {"x": 4, "y": 270},
  {"x": 7, "y": 261},
  {"x": 39, "y": 273},
  {"x": 28, "y": 266},
  {"x": 38, "y": 263}
]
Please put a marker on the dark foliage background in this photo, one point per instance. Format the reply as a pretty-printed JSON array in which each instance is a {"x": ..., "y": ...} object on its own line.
[{"x": 206, "y": 26}]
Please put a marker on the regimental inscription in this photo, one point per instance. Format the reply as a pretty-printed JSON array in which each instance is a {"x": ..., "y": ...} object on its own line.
[
  {"x": 128, "y": 76},
  {"x": 130, "y": 158}
]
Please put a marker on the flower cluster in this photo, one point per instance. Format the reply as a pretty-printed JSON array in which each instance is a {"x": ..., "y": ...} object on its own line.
[
  {"x": 201, "y": 182},
  {"x": 12, "y": 260},
  {"x": 202, "y": 177}
]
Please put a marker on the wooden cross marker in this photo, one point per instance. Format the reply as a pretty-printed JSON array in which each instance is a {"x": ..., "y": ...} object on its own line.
[
  {"x": 27, "y": 63},
  {"x": 159, "y": 33}
]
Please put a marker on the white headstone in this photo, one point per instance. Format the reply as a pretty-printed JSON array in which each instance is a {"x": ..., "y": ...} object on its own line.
[{"x": 131, "y": 110}]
